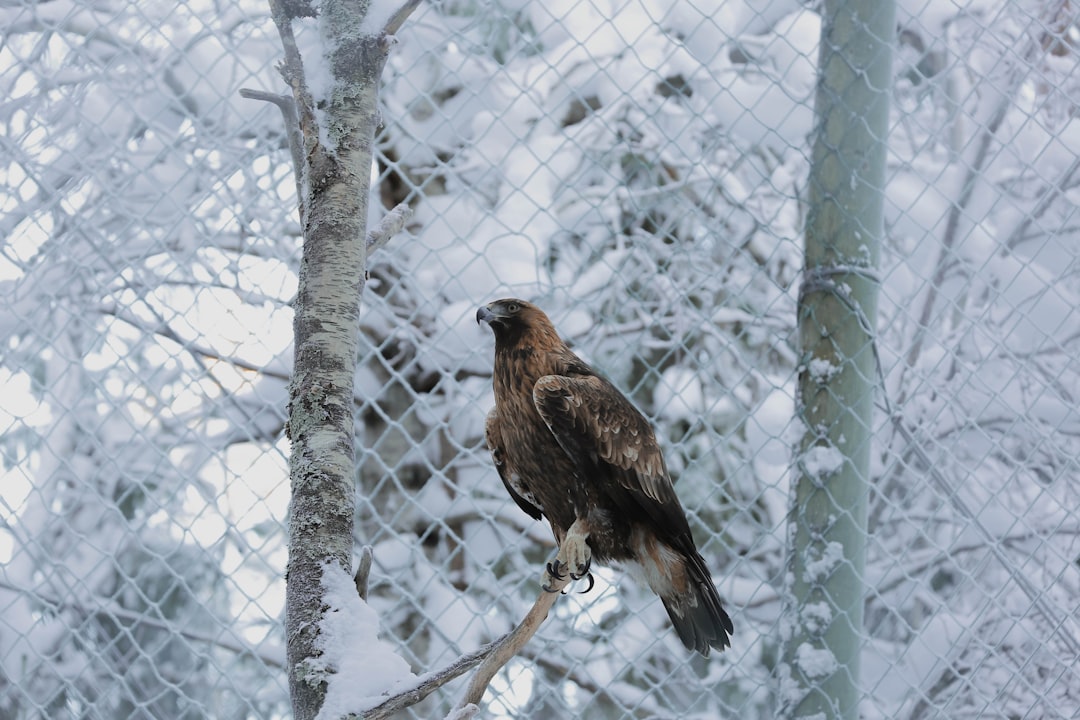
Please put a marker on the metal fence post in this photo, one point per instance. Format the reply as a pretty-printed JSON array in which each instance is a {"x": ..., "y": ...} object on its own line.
[{"x": 822, "y": 634}]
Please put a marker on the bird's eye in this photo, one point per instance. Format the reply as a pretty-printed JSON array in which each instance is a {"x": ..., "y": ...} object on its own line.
[{"x": 513, "y": 307}]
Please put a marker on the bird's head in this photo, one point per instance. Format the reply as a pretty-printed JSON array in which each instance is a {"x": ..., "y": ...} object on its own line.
[{"x": 513, "y": 320}]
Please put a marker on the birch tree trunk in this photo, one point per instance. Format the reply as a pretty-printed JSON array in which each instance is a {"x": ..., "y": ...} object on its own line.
[
  {"x": 822, "y": 633},
  {"x": 331, "y": 138}
]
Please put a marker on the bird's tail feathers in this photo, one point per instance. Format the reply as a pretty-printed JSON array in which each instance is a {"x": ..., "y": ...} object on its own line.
[{"x": 697, "y": 614}]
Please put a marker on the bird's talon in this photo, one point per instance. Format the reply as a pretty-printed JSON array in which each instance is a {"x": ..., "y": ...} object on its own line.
[
  {"x": 582, "y": 570},
  {"x": 592, "y": 581},
  {"x": 553, "y": 576}
]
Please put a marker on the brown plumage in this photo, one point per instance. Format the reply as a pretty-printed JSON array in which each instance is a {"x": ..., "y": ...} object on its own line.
[{"x": 571, "y": 448}]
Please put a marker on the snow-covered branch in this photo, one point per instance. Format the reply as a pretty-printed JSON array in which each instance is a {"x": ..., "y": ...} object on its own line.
[
  {"x": 429, "y": 682},
  {"x": 102, "y": 606},
  {"x": 391, "y": 224}
]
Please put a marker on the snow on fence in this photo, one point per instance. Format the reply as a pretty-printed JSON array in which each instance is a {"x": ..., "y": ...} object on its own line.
[{"x": 638, "y": 168}]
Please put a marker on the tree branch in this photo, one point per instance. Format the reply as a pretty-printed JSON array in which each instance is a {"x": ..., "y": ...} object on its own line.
[
  {"x": 1047, "y": 196},
  {"x": 302, "y": 127},
  {"x": 1009, "y": 83},
  {"x": 509, "y": 645},
  {"x": 363, "y": 572},
  {"x": 287, "y": 105},
  {"x": 491, "y": 658},
  {"x": 430, "y": 682},
  {"x": 399, "y": 17},
  {"x": 391, "y": 224}
]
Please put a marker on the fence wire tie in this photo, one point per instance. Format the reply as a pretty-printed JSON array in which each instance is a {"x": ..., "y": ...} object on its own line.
[{"x": 821, "y": 279}]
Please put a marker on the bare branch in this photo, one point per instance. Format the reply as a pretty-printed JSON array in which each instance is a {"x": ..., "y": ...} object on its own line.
[
  {"x": 1047, "y": 196},
  {"x": 491, "y": 658},
  {"x": 510, "y": 645},
  {"x": 978, "y": 156},
  {"x": 1050, "y": 612},
  {"x": 166, "y": 331},
  {"x": 430, "y": 682},
  {"x": 305, "y": 129},
  {"x": 287, "y": 105},
  {"x": 399, "y": 17},
  {"x": 391, "y": 224}
]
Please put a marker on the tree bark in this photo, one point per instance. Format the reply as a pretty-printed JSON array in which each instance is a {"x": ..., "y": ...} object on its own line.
[
  {"x": 822, "y": 632},
  {"x": 333, "y": 141}
]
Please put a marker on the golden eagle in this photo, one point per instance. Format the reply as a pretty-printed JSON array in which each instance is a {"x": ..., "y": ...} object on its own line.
[{"x": 571, "y": 448}]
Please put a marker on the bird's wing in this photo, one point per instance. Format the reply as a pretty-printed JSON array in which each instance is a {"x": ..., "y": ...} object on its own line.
[
  {"x": 494, "y": 442},
  {"x": 594, "y": 422}
]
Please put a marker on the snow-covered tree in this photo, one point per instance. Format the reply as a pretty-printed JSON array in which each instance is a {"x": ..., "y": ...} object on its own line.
[
  {"x": 137, "y": 194},
  {"x": 973, "y": 524},
  {"x": 638, "y": 168}
]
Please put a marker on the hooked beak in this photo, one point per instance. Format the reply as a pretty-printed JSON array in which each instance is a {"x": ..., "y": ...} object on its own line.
[{"x": 484, "y": 314}]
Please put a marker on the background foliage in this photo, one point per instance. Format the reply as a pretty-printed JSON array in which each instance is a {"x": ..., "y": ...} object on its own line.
[{"x": 639, "y": 170}]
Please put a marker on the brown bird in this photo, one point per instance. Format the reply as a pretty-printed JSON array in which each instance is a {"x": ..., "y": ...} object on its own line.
[{"x": 571, "y": 448}]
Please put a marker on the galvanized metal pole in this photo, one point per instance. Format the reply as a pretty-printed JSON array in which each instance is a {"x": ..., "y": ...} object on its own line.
[{"x": 822, "y": 630}]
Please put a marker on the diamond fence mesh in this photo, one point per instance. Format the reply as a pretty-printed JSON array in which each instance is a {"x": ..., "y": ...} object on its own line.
[{"x": 636, "y": 167}]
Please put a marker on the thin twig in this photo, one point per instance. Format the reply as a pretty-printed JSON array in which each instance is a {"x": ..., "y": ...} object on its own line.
[
  {"x": 399, "y": 17},
  {"x": 1047, "y": 196},
  {"x": 363, "y": 572},
  {"x": 284, "y": 102},
  {"x": 287, "y": 105},
  {"x": 1056, "y": 620},
  {"x": 975, "y": 163}
]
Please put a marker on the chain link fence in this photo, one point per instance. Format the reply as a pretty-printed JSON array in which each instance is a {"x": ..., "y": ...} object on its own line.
[{"x": 636, "y": 167}]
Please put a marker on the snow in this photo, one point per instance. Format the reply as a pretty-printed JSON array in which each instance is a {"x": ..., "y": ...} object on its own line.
[
  {"x": 816, "y": 617},
  {"x": 379, "y": 12},
  {"x": 932, "y": 16},
  {"x": 599, "y": 275},
  {"x": 395, "y": 554},
  {"x": 770, "y": 435},
  {"x": 821, "y": 370},
  {"x": 679, "y": 395},
  {"x": 360, "y": 669},
  {"x": 317, "y": 68},
  {"x": 821, "y": 461},
  {"x": 774, "y": 110},
  {"x": 511, "y": 201},
  {"x": 454, "y": 345},
  {"x": 815, "y": 662},
  {"x": 818, "y": 570}
]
